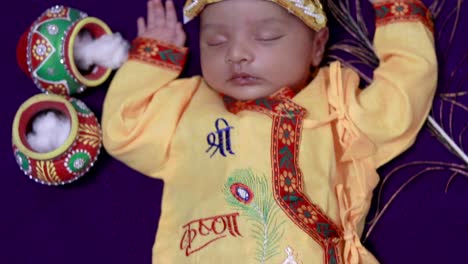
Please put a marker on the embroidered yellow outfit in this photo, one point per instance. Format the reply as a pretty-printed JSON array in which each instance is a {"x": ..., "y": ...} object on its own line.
[{"x": 283, "y": 178}]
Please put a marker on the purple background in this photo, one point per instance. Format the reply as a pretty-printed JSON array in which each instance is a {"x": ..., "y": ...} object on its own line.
[{"x": 111, "y": 214}]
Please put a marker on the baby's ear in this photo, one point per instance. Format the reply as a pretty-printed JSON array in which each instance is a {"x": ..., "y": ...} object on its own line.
[{"x": 319, "y": 43}]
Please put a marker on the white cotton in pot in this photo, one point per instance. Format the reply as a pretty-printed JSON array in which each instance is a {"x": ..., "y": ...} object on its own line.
[
  {"x": 109, "y": 51},
  {"x": 49, "y": 131}
]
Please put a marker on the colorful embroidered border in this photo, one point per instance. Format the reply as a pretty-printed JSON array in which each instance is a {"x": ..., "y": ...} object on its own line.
[
  {"x": 407, "y": 10},
  {"x": 287, "y": 176},
  {"x": 264, "y": 105},
  {"x": 158, "y": 53}
]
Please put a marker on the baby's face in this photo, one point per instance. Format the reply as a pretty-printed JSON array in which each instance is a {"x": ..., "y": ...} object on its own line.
[{"x": 253, "y": 48}]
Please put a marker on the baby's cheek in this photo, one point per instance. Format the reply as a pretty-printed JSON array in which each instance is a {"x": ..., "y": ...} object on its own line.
[
  {"x": 209, "y": 66},
  {"x": 209, "y": 58},
  {"x": 213, "y": 76},
  {"x": 290, "y": 74}
]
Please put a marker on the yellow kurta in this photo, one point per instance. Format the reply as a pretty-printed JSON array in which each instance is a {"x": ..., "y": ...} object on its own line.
[{"x": 223, "y": 209}]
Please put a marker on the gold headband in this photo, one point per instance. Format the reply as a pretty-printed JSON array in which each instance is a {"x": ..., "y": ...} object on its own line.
[{"x": 309, "y": 11}]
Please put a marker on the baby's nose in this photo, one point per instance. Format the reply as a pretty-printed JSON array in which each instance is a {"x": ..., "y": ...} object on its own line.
[{"x": 240, "y": 51}]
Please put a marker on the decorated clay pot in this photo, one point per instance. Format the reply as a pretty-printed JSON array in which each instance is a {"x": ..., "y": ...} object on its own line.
[
  {"x": 45, "y": 51},
  {"x": 74, "y": 157}
]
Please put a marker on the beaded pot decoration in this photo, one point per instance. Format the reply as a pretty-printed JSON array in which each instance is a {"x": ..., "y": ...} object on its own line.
[
  {"x": 74, "y": 157},
  {"x": 45, "y": 51}
]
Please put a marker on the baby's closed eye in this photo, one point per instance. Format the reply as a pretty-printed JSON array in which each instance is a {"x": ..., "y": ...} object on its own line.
[
  {"x": 269, "y": 37},
  {"x": 214, "y": 39}
]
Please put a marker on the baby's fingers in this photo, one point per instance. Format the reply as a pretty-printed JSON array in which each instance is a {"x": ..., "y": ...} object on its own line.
[
  {"x": 171, "y": 17},
  {"x": 156, "y": 16},
  {"x": 179, "y": 35},
  {"x": 141, "y": 27}
]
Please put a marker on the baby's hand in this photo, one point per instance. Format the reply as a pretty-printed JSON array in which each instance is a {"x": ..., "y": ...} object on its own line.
[{"x": 161, "y": 25}]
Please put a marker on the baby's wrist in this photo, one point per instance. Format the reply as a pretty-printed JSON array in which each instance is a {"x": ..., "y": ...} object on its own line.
[{"x": 158, "y": 53}]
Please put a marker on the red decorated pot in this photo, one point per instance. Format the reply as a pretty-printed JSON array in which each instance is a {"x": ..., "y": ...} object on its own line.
[
  {"x": 45, "y": 51},
  {"x": 74, "y": 157}
]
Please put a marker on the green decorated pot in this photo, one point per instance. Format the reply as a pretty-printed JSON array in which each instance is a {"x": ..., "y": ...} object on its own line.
[
  {"x": 45, "y": 51},
  {"x": 70, "y": 160}
]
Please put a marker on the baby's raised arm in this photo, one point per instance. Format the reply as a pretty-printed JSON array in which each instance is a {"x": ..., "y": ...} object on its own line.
[
  {"x": 393, "y": 108},
  {"x": 145, "y": 101},
  {"x": 381, "y": 121}
]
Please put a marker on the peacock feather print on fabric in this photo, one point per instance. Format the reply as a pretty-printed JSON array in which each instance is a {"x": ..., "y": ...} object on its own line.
[{"x": 251, "y": 195}]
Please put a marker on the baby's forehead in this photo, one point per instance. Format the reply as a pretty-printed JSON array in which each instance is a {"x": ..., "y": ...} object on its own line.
[{"x": 257, "y": 23}]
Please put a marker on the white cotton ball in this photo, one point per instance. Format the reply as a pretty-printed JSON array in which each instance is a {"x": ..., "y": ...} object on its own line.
[
  {"x": 49, "y": 131},
  {"x": 109, "y": 51},
  {"x": 82, "y": 50}
]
